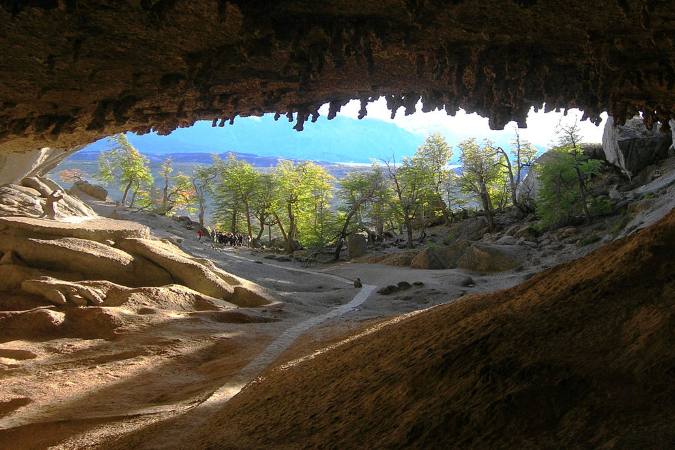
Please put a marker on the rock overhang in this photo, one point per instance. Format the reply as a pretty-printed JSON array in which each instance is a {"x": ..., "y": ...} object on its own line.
[{"x": 74, "y": 71}]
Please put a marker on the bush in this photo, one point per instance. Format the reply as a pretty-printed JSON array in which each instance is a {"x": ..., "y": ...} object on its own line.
[
  {"x": 601, "y": 206},
  {"x": 560, "y": 201}
]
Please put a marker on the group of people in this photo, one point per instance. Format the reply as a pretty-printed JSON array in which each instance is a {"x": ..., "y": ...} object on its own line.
[{"x": 224, "y": 238}]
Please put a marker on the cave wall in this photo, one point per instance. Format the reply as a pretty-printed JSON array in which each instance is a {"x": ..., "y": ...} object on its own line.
[{"x": 73, "y": 71}]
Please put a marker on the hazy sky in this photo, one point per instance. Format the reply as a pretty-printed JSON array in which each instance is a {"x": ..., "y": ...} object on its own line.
[{"x": 540, "y": 126}]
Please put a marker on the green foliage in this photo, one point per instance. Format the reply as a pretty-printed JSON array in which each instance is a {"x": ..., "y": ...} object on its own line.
[
  {"x": 560, "y": 198},
  {"x": 601, "y": 206},
  {"x": 483, "y": 175},
  {"x": 123, "y": 164},
  {"x": 178, "y": 192},
  {"x": 301, "y": 203}
]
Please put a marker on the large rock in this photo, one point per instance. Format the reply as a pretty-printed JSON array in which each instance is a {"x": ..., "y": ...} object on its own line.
[
  {"x": 89, "y": 259},
  {"x": 632, "y": 147},
  {"x": 28, "y": 198},
  {"x": 471, "y": 229},
  {"x": 357, "y": 244},
  {"x": 480, "y": 257},
  {"x": 180, "y": 265},
  {"x": 18, "y": 200},
  {"x": 94, "y": 229},
  {"x": 440, "y": 257},
  {"x": 94, "y": 191},
  {"x": 528, "y": 191}
]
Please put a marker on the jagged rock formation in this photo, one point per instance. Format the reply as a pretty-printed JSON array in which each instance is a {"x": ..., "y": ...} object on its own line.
[
  {"x": 632, "y": 147},
  {"x": 74, "y": 71}
]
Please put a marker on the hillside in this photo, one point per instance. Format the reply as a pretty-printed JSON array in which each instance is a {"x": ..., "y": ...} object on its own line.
[{"x": 581, "y": 355}]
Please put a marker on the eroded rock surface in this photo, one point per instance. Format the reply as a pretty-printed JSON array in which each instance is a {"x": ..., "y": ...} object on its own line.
[
  {"x": 76, "y": 71},
  {"x": 632, "y": 147}
]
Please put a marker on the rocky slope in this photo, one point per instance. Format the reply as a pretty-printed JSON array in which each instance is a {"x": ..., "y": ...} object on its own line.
[{"x": 581, "y": 355}]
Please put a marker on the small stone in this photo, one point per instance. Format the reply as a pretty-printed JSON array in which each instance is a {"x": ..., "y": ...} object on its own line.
[
  {"x": 403, "y": 285},
  {"x": 387, "y": 290},
  {"x": 467, "y": 282}
]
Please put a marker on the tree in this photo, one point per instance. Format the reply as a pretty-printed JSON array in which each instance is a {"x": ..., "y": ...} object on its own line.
[
  {"x": 177, "y": 190},
  {"x": 411, "y": 182},
  {"x": 202, "y": 182},
  {"x": 434, "y": 156},
  {"x": 300, "y": 191},
  {"x": 263, "y": 200},
  {"x": 480, "y": 172},
  {"x": 522, "y": 156},
  {"x": 563, "y": 177},
  {"x": 569, "y": 140},
  {"x": 355, "y": 190},
  {"x": 125, "y": 165}
]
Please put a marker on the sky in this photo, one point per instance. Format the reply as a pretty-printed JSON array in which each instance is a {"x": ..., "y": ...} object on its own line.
[
  {"x": 346, "y": 139},
  {"x": 540, "y": 126}
]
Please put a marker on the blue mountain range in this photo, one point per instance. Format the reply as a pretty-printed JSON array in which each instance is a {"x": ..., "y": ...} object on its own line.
[{"x": 342, "y": 139}]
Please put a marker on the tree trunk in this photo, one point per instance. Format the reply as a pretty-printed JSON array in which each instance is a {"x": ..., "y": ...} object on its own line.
[
  {"x": 248, "y": 220},
  {"x": 291, "y": 229},
  {"x": 487, "y": 205},
  {"x": 582, "y": 191},
  {"x": 126, "y": 192},
  {"x": 233, "y": 223},
  {"x": 342, "y": 236},
  {"x": 262, "y": 228},
  {"x": 409, "y": 232},
  {"x": 283, "y": 232},
  {"x": 133, "y": 198},
  {"x": 202, "y": 212}
]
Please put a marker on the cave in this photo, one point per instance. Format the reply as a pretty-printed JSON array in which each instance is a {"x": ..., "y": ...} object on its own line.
[{"x": 75, "y": 71}]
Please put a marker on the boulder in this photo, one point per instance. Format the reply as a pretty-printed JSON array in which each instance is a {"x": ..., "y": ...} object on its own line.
[
  {"x": 467, "y": 282},
  {"x": 61, "y": 292},
  {"x": 89, "y": 259},
  {"x": 471, "y": 229},
  {"x": 92, "y": 190},
  {"x": 180, "y": 266},
  {"x": 480, "y": 257},
  {"x": 400, "y": 259},
  {"x": 440, "y": 257},
  {"x": 18, "y": 200},
  {"x": 95, "y": 229},
  {"x": 387, "y": 290},
  {"x": 28, "y": 199},
  {"x": 507, "y": 240},
  {"x": 632, "y": 147},
  {"x": 357, "y": 244},
  {"x": 38, "y": 184}
]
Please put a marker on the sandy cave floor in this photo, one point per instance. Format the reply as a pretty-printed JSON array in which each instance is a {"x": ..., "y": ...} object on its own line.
[{"x": 74, "y": 392}]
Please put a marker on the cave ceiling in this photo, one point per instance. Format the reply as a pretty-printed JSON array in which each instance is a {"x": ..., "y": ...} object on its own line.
[{"x": 74, "y": 71}]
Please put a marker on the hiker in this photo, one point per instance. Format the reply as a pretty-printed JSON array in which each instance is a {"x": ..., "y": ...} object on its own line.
[
  {"x": 200, "y": 234},
  {"x": 49, "y": 210},
  {"x": 357, "y": 283}
]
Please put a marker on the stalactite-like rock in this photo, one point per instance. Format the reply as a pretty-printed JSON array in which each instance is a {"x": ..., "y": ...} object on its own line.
[{"x": 146, "y": 66}]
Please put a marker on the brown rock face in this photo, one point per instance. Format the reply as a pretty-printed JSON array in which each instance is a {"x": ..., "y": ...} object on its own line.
[{"x": 73, "y": 71}]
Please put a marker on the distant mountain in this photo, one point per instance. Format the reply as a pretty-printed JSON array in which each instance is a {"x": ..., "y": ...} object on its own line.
[
  {"x": 342, "y": 139},
  {"x": 91, "y": 154}
]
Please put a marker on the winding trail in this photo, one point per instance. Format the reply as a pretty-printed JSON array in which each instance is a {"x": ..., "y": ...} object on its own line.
[
  {"x": 279, "y": 345},
  {"x": 286, "y": 339}
]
